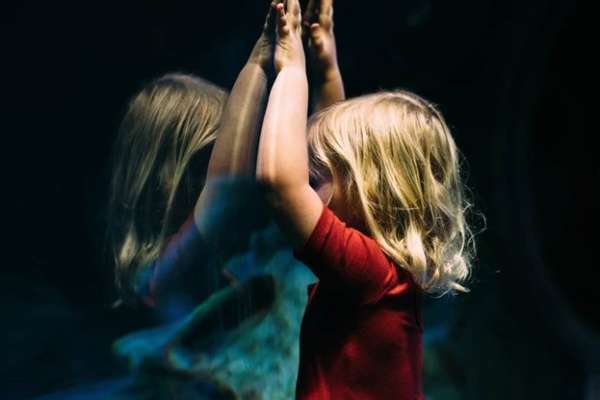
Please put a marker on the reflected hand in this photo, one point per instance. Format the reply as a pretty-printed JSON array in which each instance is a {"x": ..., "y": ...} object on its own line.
[{"x": 262, "y": 53}]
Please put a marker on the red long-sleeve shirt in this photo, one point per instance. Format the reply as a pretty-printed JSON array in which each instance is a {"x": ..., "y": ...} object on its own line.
[{"x": 361, "y": 334}]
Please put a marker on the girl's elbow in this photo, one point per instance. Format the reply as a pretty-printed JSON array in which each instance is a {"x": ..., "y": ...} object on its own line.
[
  {"x": 268, "y": 175},
  {"x": 269, "y": 180},
  {"x": 264, "y": 176}
]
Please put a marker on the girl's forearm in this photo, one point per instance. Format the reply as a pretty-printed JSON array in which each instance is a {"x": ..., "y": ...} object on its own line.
[
  {"x": 283, "y": 156},
  {"x": 328, "y": 90},
  {"x": 234, "y": 153}
]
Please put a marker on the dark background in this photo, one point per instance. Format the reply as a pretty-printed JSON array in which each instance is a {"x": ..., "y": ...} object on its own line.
[{"x": 509, "y": 76}]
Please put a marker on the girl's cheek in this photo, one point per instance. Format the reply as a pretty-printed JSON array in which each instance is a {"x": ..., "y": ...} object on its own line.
[{"x": 325, "y": 192}]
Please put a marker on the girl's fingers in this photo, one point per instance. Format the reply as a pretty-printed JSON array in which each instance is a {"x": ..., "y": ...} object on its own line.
[
  {"x": 290, "y": 6},
  {"x": 293, "y": 8},
  {"x": 320, "y": 11},
  {"x": 282, "y": 28},
  {"x": 326, "y": 7},
  {"x": 298, "y": 9},
  {"x": 315, "y": 36},
  {"x": 297, "y": 16}
]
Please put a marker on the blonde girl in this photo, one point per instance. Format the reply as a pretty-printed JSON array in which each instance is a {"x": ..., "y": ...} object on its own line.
[
  {"x": 160, "y": 158},
  {"x": 382, "y": 223},
  {"x": 180, "y": 139}
]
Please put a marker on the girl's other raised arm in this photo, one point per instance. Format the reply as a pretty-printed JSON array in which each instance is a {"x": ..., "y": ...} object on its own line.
[{"x": 326, "y": 78}]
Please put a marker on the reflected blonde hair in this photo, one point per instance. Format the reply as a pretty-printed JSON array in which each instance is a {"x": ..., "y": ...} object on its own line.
[
  {"x": 166, "y": 125},
  {"x": 393, "y": 158}
]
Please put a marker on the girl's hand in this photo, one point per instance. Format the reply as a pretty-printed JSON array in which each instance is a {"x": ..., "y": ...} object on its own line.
[
  {"x": 289, "y": 51},
  {"x": 262, "y": 53},
  {"x": 318, "y": 28}
]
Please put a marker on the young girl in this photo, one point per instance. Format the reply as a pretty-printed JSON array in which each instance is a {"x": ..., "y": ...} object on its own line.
[{"x": 382, "y": 223}]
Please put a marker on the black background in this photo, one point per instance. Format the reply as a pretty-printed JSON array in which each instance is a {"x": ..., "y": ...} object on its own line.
[{"x": 511, "y": 78}]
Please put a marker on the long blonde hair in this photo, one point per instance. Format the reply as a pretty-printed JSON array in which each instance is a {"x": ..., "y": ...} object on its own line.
[
  {"x": 159, "y": 141},
  {"x": 392, "y": 156}
]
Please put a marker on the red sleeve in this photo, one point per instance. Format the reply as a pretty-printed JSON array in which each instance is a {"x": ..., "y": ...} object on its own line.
[{"x": 346, "y": 259}]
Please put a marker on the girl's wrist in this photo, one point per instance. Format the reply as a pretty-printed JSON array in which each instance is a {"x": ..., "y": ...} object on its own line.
[
  {"x": 299, "y": 67},
  {"x": 265, "y": 68},
  {"x": 332, "y": 74},
  {"x": 328, "y": 75}
]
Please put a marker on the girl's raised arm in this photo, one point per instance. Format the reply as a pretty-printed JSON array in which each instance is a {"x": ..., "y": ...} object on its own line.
[{"x": 283, "y": 155}]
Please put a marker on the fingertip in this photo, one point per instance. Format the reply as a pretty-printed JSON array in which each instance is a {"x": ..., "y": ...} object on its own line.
[{"x": 315, "y": 30}]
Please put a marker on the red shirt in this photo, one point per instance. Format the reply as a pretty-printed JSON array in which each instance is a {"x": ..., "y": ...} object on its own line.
[{"x": 361, "y": 334}]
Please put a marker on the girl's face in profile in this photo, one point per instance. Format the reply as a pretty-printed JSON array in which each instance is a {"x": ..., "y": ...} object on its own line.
[
  {"x": 325, "y": 191},
  {"x": 331, "y": 195},
  {"x": 190, "y": 187}
]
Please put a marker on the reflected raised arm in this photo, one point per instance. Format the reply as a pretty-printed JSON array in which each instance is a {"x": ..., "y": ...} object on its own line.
[{"x": 234, "y": 153}]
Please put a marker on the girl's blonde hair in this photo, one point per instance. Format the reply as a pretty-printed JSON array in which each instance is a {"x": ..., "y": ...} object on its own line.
[
  {"x": 392, "y": 156},
  {"x": 154, "y": 173}
]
